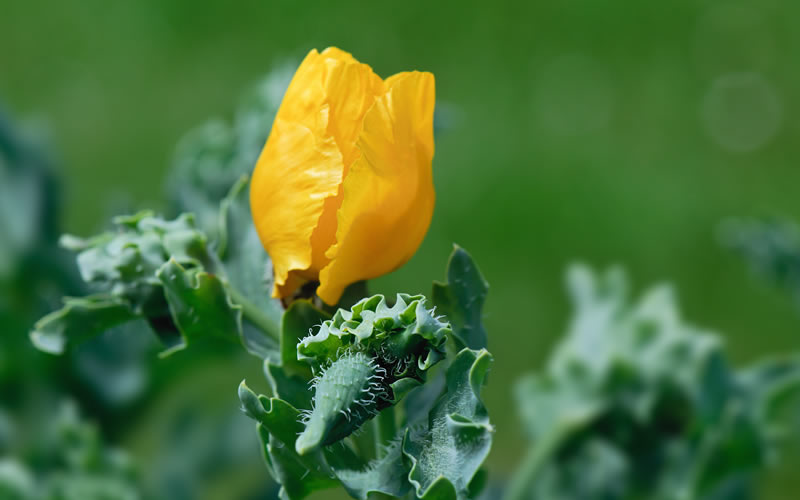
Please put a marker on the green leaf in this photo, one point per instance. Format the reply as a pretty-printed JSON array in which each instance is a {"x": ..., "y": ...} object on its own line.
[
  {"x": 16, "y": 481},
  {"x": 461, "y": 299},
  {"x": 288, "y": 386},
  {"x": 78, "y": 320},
  {"x": 247, "y": 265},
  {"x": 29, "y": 208},
  {"x": 653, "y": 398},
  {"x": 297, "y": 480},
  {"x": 199, "y": 304},
  {"x": 449, "y": 452},
  {"x": 387, "y": 474},
  {"x": 770, "y": 245},
  {"x": 163, "y": 271},
  {"x": 123, "y": 264},
  {"x": 773, "y": 383},
  {"x": 248, "y": 271},
  {"x": 420, "y": 401},
  {"x": 70, "y": 462},
  {"x": 298, "y": 476}
]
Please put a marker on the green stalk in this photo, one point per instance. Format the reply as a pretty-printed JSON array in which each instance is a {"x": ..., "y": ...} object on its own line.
[
  {"x": 364, "y": 442},
  {"x": 537, "y": 456},
  {"x": 268, "y": 323},
  {"x": 385, "y": 429}
]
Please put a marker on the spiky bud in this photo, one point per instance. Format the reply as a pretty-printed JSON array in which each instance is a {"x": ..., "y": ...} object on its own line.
[
  {"x": 367, "y": 359},
  {"x": 346, "y": 394}
]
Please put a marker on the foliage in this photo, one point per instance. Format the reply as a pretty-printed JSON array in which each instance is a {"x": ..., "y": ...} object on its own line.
[
  {"x": 771, "y": 246},
  {"x": 636, "y": 403},
  {"x": 168, "y": 273},
  {"x": 201, "y": 268},
  {"x": 366, "y": 360},
  {"x": 461, "y": 299},
  {"x": 113, "y": 364},
  {"x": 69, "y": 463},
  {"x": 28, "y": 200},
  {"x": 33, "y": 271}
]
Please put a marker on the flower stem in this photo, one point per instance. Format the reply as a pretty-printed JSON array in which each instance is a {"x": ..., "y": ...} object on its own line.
[
  {"x": 364, "y": 442},
  {"x": 385, "y": 429},
  {"x": 269, "y": 323}
]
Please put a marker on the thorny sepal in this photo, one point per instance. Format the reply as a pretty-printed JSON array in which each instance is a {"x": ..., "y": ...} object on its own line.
[
  {"x": 407, "y": 338},
  {"x": 366, "y": 358}
]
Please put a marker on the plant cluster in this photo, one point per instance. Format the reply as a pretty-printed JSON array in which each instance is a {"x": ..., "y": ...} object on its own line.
[
  {"x": 382, "y": 396},
  {"x": 69, "y": 461},
  {"x": 637, "y": 403}
]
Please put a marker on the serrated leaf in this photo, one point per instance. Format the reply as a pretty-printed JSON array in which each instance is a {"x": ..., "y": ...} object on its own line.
[
  {"x": 199, "y": 304},
  {"x": 446, "y": 456},
  {"x": 461, "y": 299},
  {"x": 79, "y": 319}
]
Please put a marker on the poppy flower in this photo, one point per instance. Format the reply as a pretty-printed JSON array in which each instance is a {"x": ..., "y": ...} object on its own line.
[{"x": 343, "y": 189}]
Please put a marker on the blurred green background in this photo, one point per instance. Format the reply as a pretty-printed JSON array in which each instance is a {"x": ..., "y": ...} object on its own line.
[{"x": 610, "y": 132}]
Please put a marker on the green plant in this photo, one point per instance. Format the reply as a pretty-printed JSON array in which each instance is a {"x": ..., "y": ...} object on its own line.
[
  {"x": 187, "y": 286},
  {"x": 69, "y": 461},
  {"x": 637, "y": 403},
  {"x": 771, "y": 246}
]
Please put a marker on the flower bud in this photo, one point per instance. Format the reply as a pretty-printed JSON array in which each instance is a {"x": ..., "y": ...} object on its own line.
[{"x": 343, "y": 189}]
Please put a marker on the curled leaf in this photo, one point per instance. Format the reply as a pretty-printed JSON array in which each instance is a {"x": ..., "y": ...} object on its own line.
[{"x": 447, "y": 454}]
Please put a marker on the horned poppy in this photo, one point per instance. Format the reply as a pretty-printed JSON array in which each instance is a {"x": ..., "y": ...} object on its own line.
[{"x": 343, "y": 189}]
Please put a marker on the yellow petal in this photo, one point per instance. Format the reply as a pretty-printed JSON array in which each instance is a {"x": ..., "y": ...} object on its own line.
[
  {"x": 388, "y": 193},
  {"x": 351, "y": 93},
  {"x": 303, "y": 162}
]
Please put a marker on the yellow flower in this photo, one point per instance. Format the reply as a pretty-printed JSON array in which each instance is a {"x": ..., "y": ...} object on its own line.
[{"x": 343, "y": 189}]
